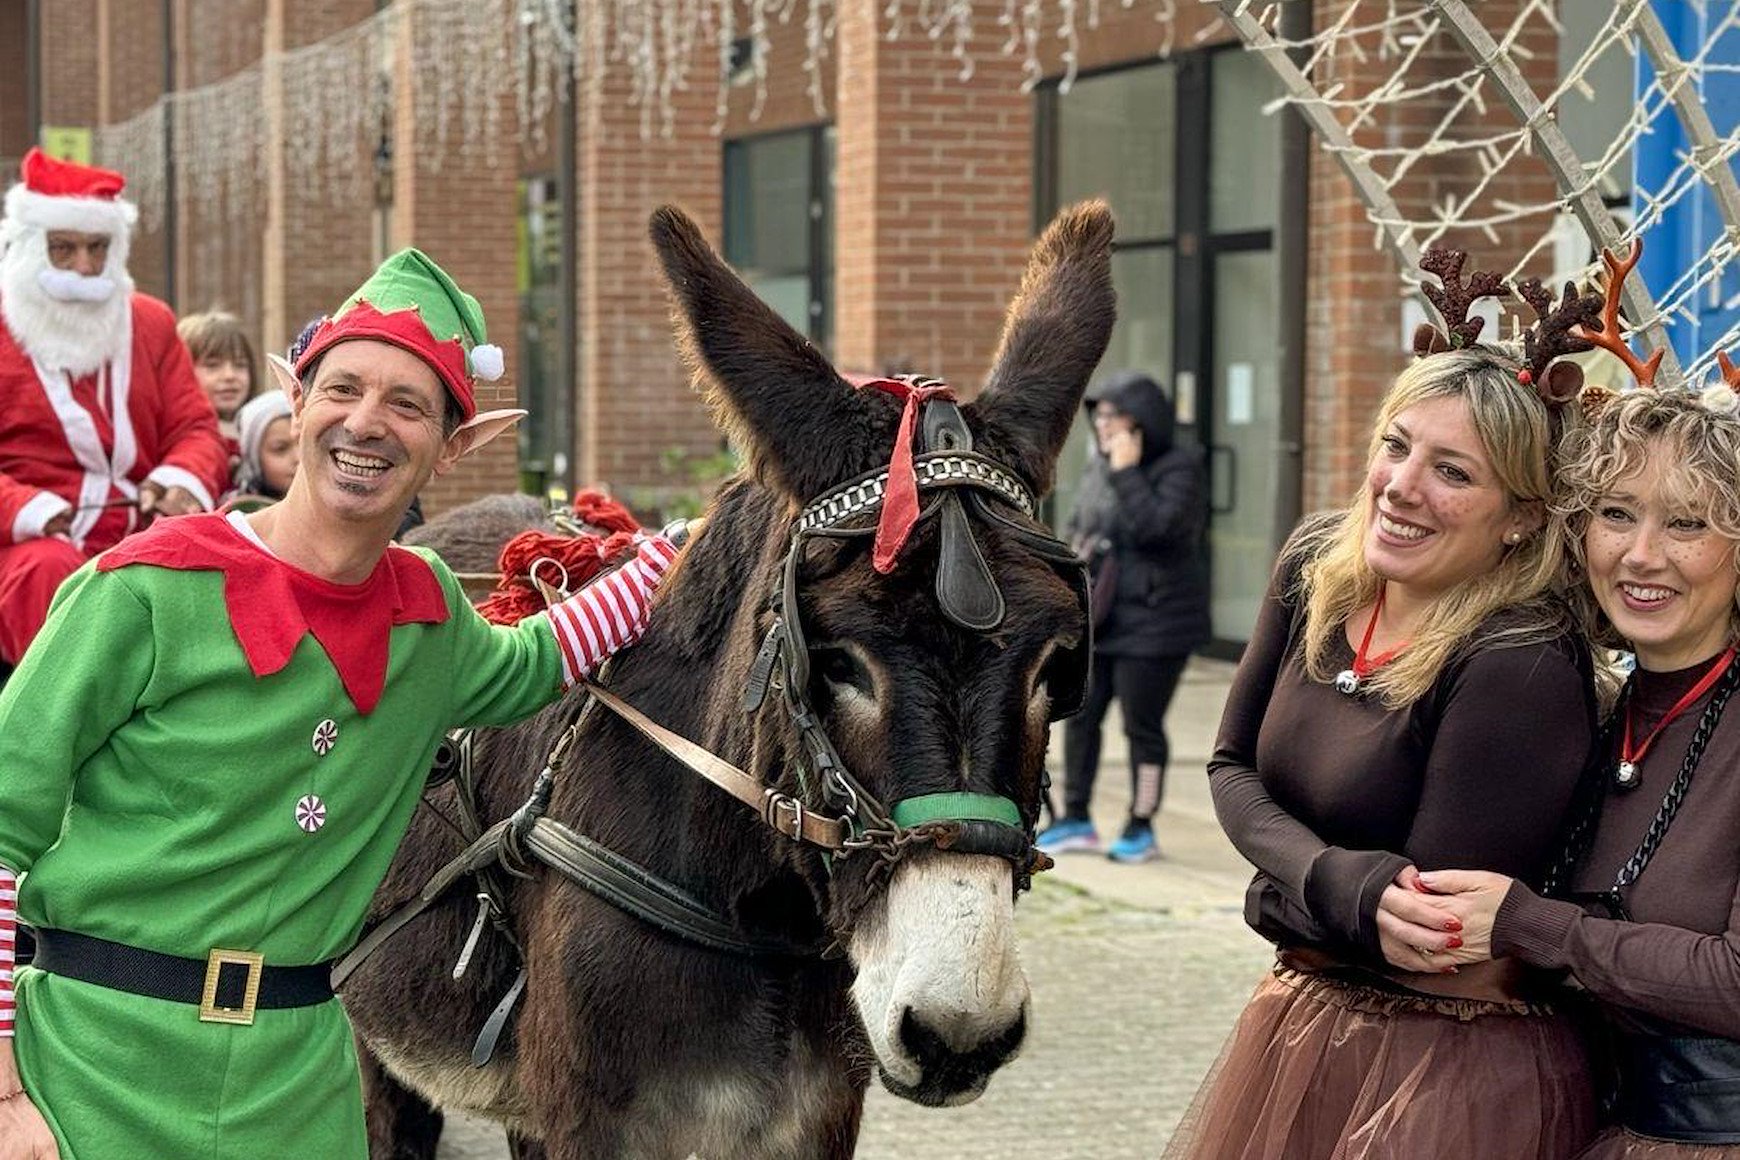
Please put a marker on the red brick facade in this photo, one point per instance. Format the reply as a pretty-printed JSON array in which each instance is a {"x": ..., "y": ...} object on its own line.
[{"x": 934, "y": 205}]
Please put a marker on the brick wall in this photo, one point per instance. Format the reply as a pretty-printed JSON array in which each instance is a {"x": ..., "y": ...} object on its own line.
[
  {"x": 68, "y": 64},
  {"x": 129, "y": 81},
  {"x": 217, "y": 250},
  {"x": 456, "y": 202},
  {"x": 634, "y": 404},
  {"x": 16, "y": 132},
  {"x": 934, "y": 200},
  {"x": 316, "y": 249}
]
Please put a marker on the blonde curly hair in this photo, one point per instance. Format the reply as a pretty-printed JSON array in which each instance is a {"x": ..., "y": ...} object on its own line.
[{"x": 1702, "y": 470}]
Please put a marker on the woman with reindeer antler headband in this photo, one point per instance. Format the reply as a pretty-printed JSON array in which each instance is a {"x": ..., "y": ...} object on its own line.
[
  {"x": 1642, "y": 906},
  {"x": 1415, "y": 695}
]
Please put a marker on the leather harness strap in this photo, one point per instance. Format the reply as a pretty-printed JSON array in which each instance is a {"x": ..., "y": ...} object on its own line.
[{"x": 783, "y": 813}]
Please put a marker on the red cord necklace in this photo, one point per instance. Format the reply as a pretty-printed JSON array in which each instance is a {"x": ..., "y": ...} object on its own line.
[
  {"x": 1348, "y": 680},
  {"x": 1629, "y": 770}
]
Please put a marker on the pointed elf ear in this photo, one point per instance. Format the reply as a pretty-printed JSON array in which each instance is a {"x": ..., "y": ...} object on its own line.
[
  {"x": 285, "y": 374},
  {"x": 481, "y": 429}
]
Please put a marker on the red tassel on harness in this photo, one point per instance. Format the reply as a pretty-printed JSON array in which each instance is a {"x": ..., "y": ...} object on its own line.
[
  {"x": 581, "y": 558},
  {"x": 900, "y": 503}
]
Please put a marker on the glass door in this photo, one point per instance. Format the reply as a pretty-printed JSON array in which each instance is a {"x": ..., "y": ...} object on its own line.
[
  {"x": 1112, "y": 136},
  {"x": 1241, "y": 363},
  {"x": 1191, "y": 167}
]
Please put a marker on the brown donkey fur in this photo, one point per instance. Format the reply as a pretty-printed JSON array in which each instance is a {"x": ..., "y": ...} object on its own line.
[{"x": 632, "y": 1043}]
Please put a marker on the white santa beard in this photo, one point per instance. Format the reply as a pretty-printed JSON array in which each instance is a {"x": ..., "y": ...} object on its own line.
[{"x": 75, "y": 337}]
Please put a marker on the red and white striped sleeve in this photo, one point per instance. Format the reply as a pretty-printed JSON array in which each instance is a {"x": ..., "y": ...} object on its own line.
[
  {"x": 609, "y": 613},
  {"x": 8, "y": 946}
]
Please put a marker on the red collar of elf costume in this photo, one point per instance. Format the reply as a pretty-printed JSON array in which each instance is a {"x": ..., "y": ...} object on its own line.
[
  {"x": 272, "y": 604},
  {"x": 900, "y": 504}
]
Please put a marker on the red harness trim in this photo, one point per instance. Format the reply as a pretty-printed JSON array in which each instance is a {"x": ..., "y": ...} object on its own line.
[
  {"x": 272, "y": 605},
  {"x": 900, "y": 503}
]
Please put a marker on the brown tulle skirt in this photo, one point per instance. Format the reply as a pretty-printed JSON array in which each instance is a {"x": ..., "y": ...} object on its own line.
[
  {"x": 1618, "y": 1144},
  {"x": 1320, "y": 1069}
]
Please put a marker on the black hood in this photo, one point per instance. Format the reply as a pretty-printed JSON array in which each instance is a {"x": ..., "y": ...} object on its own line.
[{"x": 1143, "y": 399}]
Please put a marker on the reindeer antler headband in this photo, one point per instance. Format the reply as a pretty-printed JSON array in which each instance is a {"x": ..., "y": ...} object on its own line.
[
  {"x": 1554, "y": 332},
  {"x": 1720, "y": 397}
]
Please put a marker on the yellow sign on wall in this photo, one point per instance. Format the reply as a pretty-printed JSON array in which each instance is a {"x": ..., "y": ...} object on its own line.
[{"x": 67, "y": 142}]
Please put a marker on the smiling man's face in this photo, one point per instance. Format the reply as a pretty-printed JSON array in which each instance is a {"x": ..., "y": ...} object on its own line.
[{"x": 369, "y": 429}]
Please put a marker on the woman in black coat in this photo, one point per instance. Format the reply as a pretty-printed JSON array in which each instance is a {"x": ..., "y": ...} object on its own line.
[{"x": 1138, "y": 521}]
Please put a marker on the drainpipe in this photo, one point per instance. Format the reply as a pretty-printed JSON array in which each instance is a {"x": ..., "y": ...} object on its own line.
[
  {"x": 33, "y": 69},
  {"x": 1292, "y": 242},
  {"x": 568, "y": 284},
  {"x": 171, "y": 230}
]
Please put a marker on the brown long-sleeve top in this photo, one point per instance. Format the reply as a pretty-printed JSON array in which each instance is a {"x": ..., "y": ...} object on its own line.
[
  {"x": 1331, "y": 795},
  {"x": 1678, "y": 959}
]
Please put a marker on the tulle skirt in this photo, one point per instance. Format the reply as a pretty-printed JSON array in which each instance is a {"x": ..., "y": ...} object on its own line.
[
  {"x": 1618, "y": 1144},
  {"x": 1321, "y": 1069}
]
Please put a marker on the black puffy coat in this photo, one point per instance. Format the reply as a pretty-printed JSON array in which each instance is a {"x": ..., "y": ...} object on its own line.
[{"x": 1150, "y": 519}]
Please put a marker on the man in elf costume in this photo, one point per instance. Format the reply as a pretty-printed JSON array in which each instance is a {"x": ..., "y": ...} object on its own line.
[
  {"x": 208, "y": 758},
  {"x": 102, "y": 422}
]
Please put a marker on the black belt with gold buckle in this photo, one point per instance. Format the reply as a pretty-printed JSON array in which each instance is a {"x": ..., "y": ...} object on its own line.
[{"x": 227, "y": 986}]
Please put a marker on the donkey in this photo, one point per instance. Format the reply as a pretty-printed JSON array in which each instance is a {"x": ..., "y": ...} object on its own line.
[{"x": 631, "y": 1042}]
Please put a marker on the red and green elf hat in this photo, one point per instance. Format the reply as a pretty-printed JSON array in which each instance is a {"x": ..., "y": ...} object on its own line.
[{"x": 413, "y": 304}]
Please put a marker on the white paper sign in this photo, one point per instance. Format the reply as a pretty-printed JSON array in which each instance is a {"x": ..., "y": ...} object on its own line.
[{"x": 1241, "y": 394}]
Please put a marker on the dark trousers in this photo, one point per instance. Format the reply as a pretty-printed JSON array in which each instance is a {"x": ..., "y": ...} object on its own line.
[{"x": 1144, "y": 687}]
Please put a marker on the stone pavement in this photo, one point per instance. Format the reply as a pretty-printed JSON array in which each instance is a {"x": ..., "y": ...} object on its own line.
[{"x": 1137, "y": 973}]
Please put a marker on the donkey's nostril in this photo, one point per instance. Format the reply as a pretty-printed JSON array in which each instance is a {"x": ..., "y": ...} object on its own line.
[{"x": 950, "y": 1068}]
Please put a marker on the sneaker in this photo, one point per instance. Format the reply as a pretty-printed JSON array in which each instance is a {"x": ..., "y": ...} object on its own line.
[
  {"x": 1068, "y": 835},
  {"x": 1135, "y": 844}
]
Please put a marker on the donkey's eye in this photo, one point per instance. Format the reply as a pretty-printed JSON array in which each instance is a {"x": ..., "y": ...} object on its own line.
[
  {"x": 1059, "y": 669},
  {"x": 838, "y": 667}
]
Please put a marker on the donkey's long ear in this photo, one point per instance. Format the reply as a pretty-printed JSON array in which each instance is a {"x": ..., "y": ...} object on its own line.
[
  {"x": 802, "y": 426},
  {"x": 1056, "y": 331}
]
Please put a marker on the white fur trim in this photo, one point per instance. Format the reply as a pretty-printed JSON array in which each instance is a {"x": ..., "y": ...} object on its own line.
[
  {"x": 35, "y": 514},
  {"x": 168, "y": 475},
  {"x": 487, "y": 362},
  {"x": 87, "y": 215},
  {"x": 87, "y": 448}
]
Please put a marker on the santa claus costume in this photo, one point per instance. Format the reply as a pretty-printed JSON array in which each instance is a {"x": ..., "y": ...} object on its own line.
[{"x": 97, "y": 394}]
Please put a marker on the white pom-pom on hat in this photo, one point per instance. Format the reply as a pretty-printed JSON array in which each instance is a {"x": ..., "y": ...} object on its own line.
[{"x": 486, "y": 362}]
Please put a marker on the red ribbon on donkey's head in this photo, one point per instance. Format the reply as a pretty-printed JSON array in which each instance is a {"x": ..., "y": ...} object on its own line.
[{"x": 900, "y": 502}]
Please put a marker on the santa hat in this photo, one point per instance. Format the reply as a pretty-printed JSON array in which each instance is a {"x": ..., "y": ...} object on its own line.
[
  {"x": 413, "y": 304},
  {"x": 63, "y": 195}
]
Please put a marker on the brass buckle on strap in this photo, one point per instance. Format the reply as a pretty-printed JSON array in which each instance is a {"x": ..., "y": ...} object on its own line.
[{"x": 209, "y": 1011}]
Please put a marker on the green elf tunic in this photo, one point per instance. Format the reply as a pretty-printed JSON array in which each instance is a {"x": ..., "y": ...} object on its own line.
[{"x": 157, "y": 790}]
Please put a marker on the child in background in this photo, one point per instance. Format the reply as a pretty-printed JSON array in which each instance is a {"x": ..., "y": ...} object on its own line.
[
  {"x": 223, "y": 361},
  {"x": 269, "y": 455}
]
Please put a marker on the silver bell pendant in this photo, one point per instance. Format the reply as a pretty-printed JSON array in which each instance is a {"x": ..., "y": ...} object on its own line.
[
  {"x": 1347, "y": 681},
  {"x": 1626, "y": 774}
]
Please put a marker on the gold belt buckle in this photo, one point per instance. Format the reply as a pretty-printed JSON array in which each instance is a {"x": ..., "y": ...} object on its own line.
[{"x": 209, "y": 1011}]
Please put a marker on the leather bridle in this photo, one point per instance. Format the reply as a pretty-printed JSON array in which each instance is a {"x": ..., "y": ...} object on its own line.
[{"x": 832, "y": 809}]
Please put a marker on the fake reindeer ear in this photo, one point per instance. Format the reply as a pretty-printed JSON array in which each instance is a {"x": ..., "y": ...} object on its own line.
[
  {"x": 1428, "y": 339},
  {"x": 802, "y": 427},
  {"x": 1053, "y": 336},
  {"x": 285, "y": 376},
  {"x": 483, "y": 427}
]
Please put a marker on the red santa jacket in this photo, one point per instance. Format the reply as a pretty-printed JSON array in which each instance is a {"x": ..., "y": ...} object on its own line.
[{"x": 94, "y": 440}]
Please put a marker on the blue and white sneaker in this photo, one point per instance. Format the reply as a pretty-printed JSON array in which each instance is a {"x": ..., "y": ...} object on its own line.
[
  {"x": 1067, "y": 836},
  {"x": 1135, "y": 844}
]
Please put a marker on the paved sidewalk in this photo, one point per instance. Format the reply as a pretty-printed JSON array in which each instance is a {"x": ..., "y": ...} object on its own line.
[{"x": 1138, "y": 972}]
